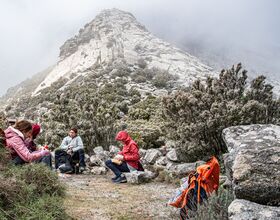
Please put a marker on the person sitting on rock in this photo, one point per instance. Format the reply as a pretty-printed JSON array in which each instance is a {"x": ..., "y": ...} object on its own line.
[
  {"x": 71, "y": 149},
  {"x": 126, "y": 160},
  {"x": 16, "y": 143}
]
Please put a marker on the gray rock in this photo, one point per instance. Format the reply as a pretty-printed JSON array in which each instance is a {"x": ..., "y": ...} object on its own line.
[
  {"x": 164, "y": 150},
  {"x": 253, "y": 162},
  {"x": 181, "y": 169},
  {"x": 113, "y": 150},
  {"x": 162, "y": 161},
  {"x": 241, "y": 209},
  {"x": 151, "y": 156},
  {"x": 95, "y": 160},
  {"x": 138, "y": 177},
  {"x": 98, "y": 150},
  {"x": 172, "y": 155},
  {"x": 142, "y": 152},
  {"x": 87, "y": 157},
  {"x": 98, "y": 170}
]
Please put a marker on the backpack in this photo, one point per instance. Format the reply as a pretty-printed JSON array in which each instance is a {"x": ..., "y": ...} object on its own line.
[{"x": 200, "y": 186}]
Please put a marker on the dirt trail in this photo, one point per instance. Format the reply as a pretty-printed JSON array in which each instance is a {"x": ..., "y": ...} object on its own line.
[{"x": 96, "y": 197}]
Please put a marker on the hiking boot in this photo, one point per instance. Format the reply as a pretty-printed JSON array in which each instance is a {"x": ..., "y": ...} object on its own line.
[
  {"x": 114, "y": 178},
  {"x": 121, "y": 179}
]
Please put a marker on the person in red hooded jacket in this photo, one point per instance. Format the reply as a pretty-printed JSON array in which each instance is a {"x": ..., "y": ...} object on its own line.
[{"x": 126, "y": 160}]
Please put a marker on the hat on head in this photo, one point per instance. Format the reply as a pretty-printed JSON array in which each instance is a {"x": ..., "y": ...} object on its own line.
[{"x": 35, "y": 130}]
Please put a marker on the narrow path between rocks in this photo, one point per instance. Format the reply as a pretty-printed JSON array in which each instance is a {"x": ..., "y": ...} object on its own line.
[{"x": 96, "y": 197}]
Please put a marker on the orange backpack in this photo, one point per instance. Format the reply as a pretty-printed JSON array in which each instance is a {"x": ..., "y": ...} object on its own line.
[{"x": 201, "y": 184}]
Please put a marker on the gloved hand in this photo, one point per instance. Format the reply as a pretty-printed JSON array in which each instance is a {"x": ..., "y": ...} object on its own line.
[{"x": 45, "y": 152}]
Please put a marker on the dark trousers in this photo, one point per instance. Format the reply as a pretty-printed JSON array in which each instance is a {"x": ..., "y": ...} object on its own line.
[
  {"x": 117, "y": 169},
  {"x": 47, "y": 160},
  {"x": 61, "y": 157}
]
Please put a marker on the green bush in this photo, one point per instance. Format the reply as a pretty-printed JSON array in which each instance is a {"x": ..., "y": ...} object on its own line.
[
  {"x": 196, "y": 117},
  {"x": 216, "y": 207},
  {"x": 31, "y": 192}
]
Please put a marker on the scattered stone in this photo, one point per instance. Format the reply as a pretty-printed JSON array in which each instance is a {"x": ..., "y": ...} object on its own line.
[
  {"x": 172, "y": 155},
  {"x": 98, "y": 150},
  {"x": 181, "y": 169},
  {"x": 98, "y": 170},
  {"x": 241, "y": 209},
  {"x": 151, "y": 156},
  {"x": 138, "y": 177},
  {"x": 113, "y": 150},
  {"x": 87, "y": 158},
  {"x": 162, "y": 161},
  {"x": 142, "y": 152},
  {"x": 95, "y": 160},
  {"x": 163, "y": 150},
  {"x": 253, "y": 162}
]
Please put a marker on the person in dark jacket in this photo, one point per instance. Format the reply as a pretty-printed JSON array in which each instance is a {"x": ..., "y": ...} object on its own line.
[{"x": 126, "y": 160}]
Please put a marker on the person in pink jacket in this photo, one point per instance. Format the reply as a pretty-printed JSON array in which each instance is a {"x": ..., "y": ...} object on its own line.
[{"x": 15, "y": 142}]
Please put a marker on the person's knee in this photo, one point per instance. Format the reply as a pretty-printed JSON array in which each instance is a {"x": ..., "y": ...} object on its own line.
[
  {"x": 108, "y": 163},
  {"x": 81, "y": 151},
  {"x": 57, "y": 151}
]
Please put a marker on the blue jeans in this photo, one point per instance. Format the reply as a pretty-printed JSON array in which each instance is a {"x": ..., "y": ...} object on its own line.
[{"x": 117, "y": 169}]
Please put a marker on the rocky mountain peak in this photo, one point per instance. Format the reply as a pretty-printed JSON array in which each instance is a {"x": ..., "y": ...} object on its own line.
[
  {"x": 109, "y": 22},
  {"x": 115, "y": 36}
]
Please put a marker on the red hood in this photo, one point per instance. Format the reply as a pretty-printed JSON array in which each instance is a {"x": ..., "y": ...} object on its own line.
[{"x": 123, "y": 136}]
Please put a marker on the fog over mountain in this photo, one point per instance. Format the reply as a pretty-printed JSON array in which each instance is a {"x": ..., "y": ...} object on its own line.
[{"x": 218, "y": 32}]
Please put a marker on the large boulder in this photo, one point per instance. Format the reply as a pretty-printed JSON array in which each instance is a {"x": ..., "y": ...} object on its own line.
[
  {"x": 241, "y": 209},
  {"x": 137, "y": 177},
  {"x": 151, "y": 156},
  {"x": 253, "y": 162},
  {"x": 172, "y": 155}
]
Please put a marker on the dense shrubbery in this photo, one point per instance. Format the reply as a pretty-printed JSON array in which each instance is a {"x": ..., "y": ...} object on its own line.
[
  {"x": 198, "y": 115},
  {"x": 29, "y": 192}
]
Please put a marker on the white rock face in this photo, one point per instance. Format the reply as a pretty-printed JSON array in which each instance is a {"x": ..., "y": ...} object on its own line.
[
  {"x": 253, "y": 162},
  {"x": 115, "y": 34},
  {"x": 241, "y": 209}
]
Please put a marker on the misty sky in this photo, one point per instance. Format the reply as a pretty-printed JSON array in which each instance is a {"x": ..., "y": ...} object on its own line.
[{"x": 33, "y": 30}]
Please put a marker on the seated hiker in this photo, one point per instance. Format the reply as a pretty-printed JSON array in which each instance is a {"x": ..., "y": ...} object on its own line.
[
  {"x": 126, "y": 160},
  {"x": 71, "y": 149},
  {"x": 196, "y": 190},
  {"x": 15, "y": 143},
  {"x": 31, "y": 145}
]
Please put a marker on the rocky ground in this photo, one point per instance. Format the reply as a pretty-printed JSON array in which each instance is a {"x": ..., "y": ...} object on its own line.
[{"x": 96, "y": 197}]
